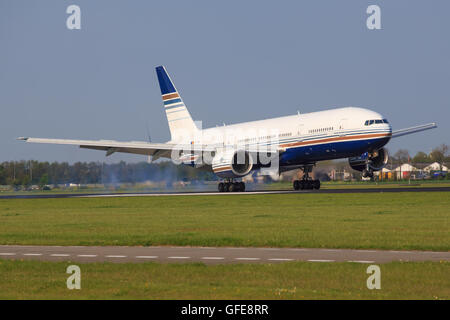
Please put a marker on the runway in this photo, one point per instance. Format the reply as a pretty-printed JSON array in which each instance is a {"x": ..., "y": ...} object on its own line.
[
  {"x": 212, "y": 193},
  {"x": 211, "y": 255}
]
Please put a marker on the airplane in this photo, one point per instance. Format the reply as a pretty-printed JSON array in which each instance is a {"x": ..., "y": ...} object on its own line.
[{"x": 283, "y": 144}]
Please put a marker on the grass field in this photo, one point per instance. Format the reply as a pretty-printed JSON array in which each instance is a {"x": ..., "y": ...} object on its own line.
[
  {"x": 299, "y": 280},
  {"x": 411, "y": 221}
]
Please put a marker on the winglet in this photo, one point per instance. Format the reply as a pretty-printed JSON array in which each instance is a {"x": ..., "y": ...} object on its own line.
[{"x": 22, "y": 138}]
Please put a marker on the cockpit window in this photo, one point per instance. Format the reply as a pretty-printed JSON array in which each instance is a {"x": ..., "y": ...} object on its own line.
[{"x": 377, "y": 121}]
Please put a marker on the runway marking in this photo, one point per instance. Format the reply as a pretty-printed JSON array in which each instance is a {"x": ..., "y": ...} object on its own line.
[{"x": 219, "y": 255}]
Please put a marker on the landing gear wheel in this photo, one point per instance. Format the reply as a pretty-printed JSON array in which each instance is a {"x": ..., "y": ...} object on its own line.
[
  {"x": 241, "y": 186},
  {"x": 316, "y": 184},
  {"x": 233, "y": 187},
  {"x": 226, "y": 187},
  {"x": 296, "y": 185},
  {"x": 302, "y": 184},
  {"x": 367, "y": 173},
  {"x": 221, "y": 187}
]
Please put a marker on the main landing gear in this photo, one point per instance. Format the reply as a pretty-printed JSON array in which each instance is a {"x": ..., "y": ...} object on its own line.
[
  {"x": 367, "y": 173},
  {"x": 231, "y": 186},
  {"x": 306, "y": 183}
]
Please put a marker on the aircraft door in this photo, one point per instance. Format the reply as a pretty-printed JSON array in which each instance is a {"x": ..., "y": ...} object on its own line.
[{"x": 342, "y": 126}]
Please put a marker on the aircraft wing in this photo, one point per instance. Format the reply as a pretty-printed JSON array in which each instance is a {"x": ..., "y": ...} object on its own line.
[
  {"x": 157, "y": 150},
  {"x": 423, "y": 127}
]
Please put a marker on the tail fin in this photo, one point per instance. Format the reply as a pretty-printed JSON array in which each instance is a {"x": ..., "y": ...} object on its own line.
[{"x": 180, "y": 121}]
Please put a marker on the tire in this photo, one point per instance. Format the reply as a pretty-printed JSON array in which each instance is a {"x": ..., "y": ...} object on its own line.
[
  {"x": 296, "y": 185},
  {"x": 241, "y": 186},
  {"x": 221, "y": 187},
  {"x": 232, "y": 187},
  {"x": 302, "y": 185},
  {"x": 316, "y": 184},
  {"x": 226, "y": 187}
]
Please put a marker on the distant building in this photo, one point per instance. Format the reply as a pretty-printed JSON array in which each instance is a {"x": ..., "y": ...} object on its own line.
[
  {"x": 435, "y": 166},
  {"x": 404, "y": 171},
  {"x": 385, "y": 174}
]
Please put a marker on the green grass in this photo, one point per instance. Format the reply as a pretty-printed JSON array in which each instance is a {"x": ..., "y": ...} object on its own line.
[
  {"x": 299, "y": 280},
  {"x": 384, "y": 221}
]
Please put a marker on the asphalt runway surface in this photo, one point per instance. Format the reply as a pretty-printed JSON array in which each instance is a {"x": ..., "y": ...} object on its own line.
[
  {"x": 213, "y": 193},
  {"x": 211, "y": 255}
]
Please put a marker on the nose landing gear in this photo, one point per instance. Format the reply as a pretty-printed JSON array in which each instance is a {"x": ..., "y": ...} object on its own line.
[
  {"x": 306, "y": 183},
  {"x": 231, "y": 186}
]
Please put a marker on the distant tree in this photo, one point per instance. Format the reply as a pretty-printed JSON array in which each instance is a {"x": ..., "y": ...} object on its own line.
[
  {"x": 26, "y": 181},
  {"x": 439, "y": 155},
  {"x": 421, "y": 157},
  {"x": 43, "y": 181},
  {"x": 3, "y": 175},
  {"x": 402, "y": 155},
  {"x": 14, "y": 183}
]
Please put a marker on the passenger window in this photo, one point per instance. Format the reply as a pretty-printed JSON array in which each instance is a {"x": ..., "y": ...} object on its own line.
[{"x": 371, "y": 122}]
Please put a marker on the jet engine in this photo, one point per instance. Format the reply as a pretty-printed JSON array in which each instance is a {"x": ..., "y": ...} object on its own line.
[
  {"x": 369, "y": 162},
  {"x": 232, "y": 163}
]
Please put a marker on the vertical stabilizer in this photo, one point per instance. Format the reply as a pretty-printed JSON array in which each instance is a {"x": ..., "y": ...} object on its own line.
[{"x": 180, "y": 121}]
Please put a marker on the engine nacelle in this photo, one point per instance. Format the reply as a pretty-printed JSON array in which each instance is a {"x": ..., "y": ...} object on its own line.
[
  {"x": 232, "y": 163},
  {"x": 374, "y": 161}
]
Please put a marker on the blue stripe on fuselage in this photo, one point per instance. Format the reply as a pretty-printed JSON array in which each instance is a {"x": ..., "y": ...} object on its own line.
[{"x": 329, "y": 151}]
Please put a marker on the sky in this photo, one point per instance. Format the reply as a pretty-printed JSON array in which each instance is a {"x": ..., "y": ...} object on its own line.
[{"x": 232, "y": 61}]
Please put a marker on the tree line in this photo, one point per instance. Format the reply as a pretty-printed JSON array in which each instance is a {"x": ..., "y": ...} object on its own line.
[
  {"x": 27, "y": 173},
  {"x": 439, "y": 154}
]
